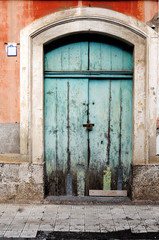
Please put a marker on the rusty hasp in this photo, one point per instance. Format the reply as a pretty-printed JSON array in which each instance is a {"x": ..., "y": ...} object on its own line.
[{"x": 89, "y": 126}]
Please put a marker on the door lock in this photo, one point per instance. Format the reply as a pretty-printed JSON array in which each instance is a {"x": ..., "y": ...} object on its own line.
[{"x": 89, "y": 126}]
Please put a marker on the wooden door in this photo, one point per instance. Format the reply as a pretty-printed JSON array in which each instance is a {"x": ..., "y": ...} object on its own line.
[
  {"x": 110, "y": 109},
  {"x": 87, "y": 82},
  {"x": 65, "y": 138}
]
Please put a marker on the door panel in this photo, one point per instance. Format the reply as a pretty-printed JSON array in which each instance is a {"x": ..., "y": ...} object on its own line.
[
  {"x": 114, "y": 130},
  {"x": 56, "y": 134},
  {"x": 73, "y": 101},
  {"x": 65, "y": 138},
  {"x": 126, "y": 130},
  {"x": 78, "y": 99},
  {"x": 99, "y": 115},
  {"x": 90, "y": 53},
  {"x": 70, "y": 103},
  {"x": 110, "y": 109},
  {"x": 70, "y": 57},
  {"x": 110, "y": 56},
  {"x": 50, "y": 125}
]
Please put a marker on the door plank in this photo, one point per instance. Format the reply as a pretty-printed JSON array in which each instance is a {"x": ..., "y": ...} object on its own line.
[
  {"x": 114, "y": 129},
  {"x": 106, "y": 55},
  {"x": 127, "y": 58},
  {"x": 50, "y": 126},
  {"x": 78, "y": 99},
  {"x": 94, "y": 56},
  {"x": 117, "y": 58},
  {"x": 98, "y": 114},
  {"x": 61, "y": 135},
  {"x": 126, "y": 129}
]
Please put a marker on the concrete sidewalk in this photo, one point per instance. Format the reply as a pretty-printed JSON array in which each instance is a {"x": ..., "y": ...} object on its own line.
[{"x": 25, "y": 220}]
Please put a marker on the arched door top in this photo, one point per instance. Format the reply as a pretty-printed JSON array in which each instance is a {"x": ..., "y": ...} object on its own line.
[{"x": 88, "y": 53}]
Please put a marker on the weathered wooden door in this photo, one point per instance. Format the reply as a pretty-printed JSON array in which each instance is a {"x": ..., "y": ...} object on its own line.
[
  {"x": 88, "y": 115},
  {"x": 110, "y": 109},
  {"x": 65, "y": 138}
]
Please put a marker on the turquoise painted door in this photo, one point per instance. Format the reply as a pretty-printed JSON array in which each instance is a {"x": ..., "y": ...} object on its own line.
[
  {"x": 87, "y": 82},
  {"x": 110, "y": 109},
  {"x": 65, "y": 138}
]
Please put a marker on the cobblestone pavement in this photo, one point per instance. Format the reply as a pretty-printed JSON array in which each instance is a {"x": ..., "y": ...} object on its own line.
[{"x": 25, "y": 220}]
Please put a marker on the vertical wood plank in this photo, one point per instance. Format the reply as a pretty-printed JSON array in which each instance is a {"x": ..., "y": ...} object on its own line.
[
  {"x": 55, "y": 134},
  {"x": 95, "y": 56},
  {"x": 106, "y": 57},
  {"x": 74, "y": 57},
  {"x": 127, "y": 59},
  {"x": 126, "y": 129},
  {"x": 53, "y": 60},
  {"x": 114, "y": 129},
  {"x": 65, "y": 60},
  {"x": 61, "y": 140},
  {"x": 78, "y": 116},
  {"x": 70, "y": 57},
  {"x": 84, "y": 55},
  {"x": 98, "y": 114},
  {"x": 77, "y": 56},
  {"x": 117, "y": 58},
  {"x": 50, "y": 127}
]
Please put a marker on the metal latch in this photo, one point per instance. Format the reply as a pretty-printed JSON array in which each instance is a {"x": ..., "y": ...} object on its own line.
[{"x": 89, "y": 126}]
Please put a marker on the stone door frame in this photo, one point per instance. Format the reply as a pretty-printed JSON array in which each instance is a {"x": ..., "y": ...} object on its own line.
[{"x": 95, "y": 20}]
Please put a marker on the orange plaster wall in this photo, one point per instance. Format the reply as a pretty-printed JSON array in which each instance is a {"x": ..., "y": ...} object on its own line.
[
  {"x": 139, "y": 9},
  {"x": 16, "y": 14}
]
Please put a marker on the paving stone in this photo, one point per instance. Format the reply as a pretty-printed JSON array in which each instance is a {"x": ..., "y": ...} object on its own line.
[
  {"x": 134, "y": 223},
  {"x": 28, "y": 219},
  {"x": 46, "y": 227},
  {"x": 30, "y": 227},
  {"x": 28, "y": 234},
  {"x": 61, "y": 228},
  {"x": 2, "y": 233},
  {"x": 4, "y": 227},
  {"x": 13, "y": 234},
  {"x": 15, "y": 227}
]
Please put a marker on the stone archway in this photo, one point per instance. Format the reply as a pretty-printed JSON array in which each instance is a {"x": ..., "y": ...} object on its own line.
[{"x": 95, "y": 20}]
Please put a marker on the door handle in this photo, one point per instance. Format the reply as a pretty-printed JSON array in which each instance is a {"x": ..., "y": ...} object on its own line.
[{"x": 89, "y": 126}]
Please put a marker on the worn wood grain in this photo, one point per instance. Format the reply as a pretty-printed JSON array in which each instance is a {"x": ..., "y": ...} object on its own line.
[{"x": 87, "y": 81}]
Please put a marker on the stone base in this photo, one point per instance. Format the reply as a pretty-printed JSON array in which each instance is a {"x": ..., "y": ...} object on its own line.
[
  {"x": 24, "y": 182},
  {"x": 21, "y": 182},
  {"x": 145, "y": 182}
]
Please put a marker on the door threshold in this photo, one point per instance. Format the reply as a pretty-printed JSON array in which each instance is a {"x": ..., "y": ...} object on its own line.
[{"x": 86, "y": 200}]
